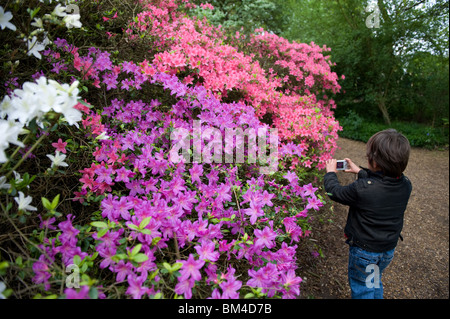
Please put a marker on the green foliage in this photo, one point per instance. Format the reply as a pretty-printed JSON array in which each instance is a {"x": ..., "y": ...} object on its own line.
[
  {"x": 56, "y": 221},
  {"x": 358, "y": 128},
  {"x": 245, "y": 15},
  {"x": 391, "y": 72}
]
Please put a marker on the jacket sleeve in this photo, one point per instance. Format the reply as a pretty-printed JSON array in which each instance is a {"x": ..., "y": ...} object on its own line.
[{"x": 346, "y": 195}]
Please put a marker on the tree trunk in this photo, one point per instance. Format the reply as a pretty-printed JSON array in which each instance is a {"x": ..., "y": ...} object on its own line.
[{"x": 383, "y": 109}]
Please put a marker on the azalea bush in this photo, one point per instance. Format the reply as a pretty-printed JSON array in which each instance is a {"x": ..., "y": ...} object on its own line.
[{"x": 101, "y": 207}]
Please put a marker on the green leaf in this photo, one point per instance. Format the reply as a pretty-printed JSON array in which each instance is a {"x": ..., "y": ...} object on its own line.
[
  {"x": 176, "y": 266},
  {"x": 133, "y": 226},
  {"x": 99, "y": 224},
  {"x": 158, "y": 296},
  {"x": 77, "y": 260},
  {"x": 146, "y": 231},
  {"x": 144, "y": 222},
  {"x": 8, "y": 207},
  {"x": 102, "y": 232},
  {"x": 93, "y": 293},
  {"x": 3, "y": 266},
  {"x": 155, "y": 240},
  {"x": 136, "y": 249},
  {"x": 140, "y": 258},
  {"x": 19, "y": 261},
  {"x": 33, "y": 12},
  {"x": 46, "y": 203},
  {"x": 171, "y": 268},
  {"x": 121, "y": 256},
  {"x": 55, "y": 201}
]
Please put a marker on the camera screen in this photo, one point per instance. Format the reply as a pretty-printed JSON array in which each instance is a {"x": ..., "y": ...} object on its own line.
[{"x": 340, "y": 165}]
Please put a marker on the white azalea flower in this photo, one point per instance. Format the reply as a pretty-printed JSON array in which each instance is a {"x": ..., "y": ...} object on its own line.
[
  {"x": 71, "y": 115},
  {"x": 3, "y": 157},
  {"x": 69, "y": 96},
  {"x": 38, "y": 23},
  {"x": 72, "y": 21},
  {"x": 47, "y": 96},
  {"x": 10, "y": 131},
  {"x": 34, "y": 46},
  {"x": 34, "y": 100},
  {"x": 24, "y": 108},
  {"x": 2, "y": 289},
  {"x": 4, "y": 20},
  {"x": 24, "y": 202},
  {"x": 58, "y": 159},
  {"x": 3, "y": 184},
  {"x": 9, "y": 134},
  {"x": 5, "y": 105},
  {"x": 18, "y": 178},
  {"x": 72, "y": 89},
  {"x": 59, "y": 11},
  {"x": 102, "y": 136}
]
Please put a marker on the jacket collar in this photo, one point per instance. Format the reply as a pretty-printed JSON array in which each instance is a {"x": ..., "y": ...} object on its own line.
[{"x": 380, "y": 175}]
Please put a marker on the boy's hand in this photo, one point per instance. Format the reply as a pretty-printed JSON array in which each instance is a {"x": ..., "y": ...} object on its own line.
[
  {"x": 353, "y": 168},
  {"x": 331, "y": 165}
]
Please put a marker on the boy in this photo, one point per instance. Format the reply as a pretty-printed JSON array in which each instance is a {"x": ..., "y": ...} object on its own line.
[{"x": 377, "y": 201}]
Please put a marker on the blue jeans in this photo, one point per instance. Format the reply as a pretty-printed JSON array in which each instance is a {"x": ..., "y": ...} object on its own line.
[{"x": 364, "y": 272}]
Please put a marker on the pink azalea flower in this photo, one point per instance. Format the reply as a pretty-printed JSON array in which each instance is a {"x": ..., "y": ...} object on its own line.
[
  {"x": 258, "y": 278},
  {"x": 136, "y": 289},
  {"x": 314, "y": 203},
  {"x": 60, "y": 146},
  {"x": 230, "y": 288},
  {"x": 254, "y": 212},
  {"x": 83, "y": 293},
  {"x": 196, "y": 172},
  {"x": 309, "y": 190},
  {"x": 185, "y": 287},
  {"x": 42, "y": 273},
  {"x": 47, "y": 223},
  {"x": 207, "y": 251},
  {"x": 291, "y": 281},
  {"x": 123, "y": 269},
  {"x": 123, "y": 175},
  {"x": 265, "y": 237},
  {"x": 191, "y": 268}
]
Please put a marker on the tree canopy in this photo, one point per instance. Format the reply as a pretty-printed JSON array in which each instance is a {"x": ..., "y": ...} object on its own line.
[
  {"x": 393, "y": 53},
  {"x": 245, "y": 15}
]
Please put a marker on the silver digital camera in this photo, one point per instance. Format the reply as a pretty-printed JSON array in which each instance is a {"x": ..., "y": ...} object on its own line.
[{"x": 341, "y": 165}]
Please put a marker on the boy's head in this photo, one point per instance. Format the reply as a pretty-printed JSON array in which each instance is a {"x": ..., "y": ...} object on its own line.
[{"x": 388, "y": 151}]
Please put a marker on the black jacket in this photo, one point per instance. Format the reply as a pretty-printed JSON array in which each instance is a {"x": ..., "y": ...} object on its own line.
[{"x": 377, "y": 206}]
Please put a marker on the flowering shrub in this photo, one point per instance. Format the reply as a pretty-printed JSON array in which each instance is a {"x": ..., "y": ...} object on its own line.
[
  {"x": 292, "y": 89},
  {"x": 154, "y": 227}
]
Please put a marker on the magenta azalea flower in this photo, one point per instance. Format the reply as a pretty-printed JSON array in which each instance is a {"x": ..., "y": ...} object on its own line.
[
  {"x": 230, "y": 288},
  {"x": 83, "y": 293},
  {"x": 191, "y": 268},
  {"x": 265, "y": 237},
  {"x": 60, "y": 146},
  {"x": 207, "y": 251}
]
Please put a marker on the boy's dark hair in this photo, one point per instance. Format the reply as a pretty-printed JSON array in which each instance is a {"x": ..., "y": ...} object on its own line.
[{"x": 390, "y": 151}]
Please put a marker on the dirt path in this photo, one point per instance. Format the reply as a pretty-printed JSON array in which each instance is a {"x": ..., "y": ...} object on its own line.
[{"x": 420, "y": 269}]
